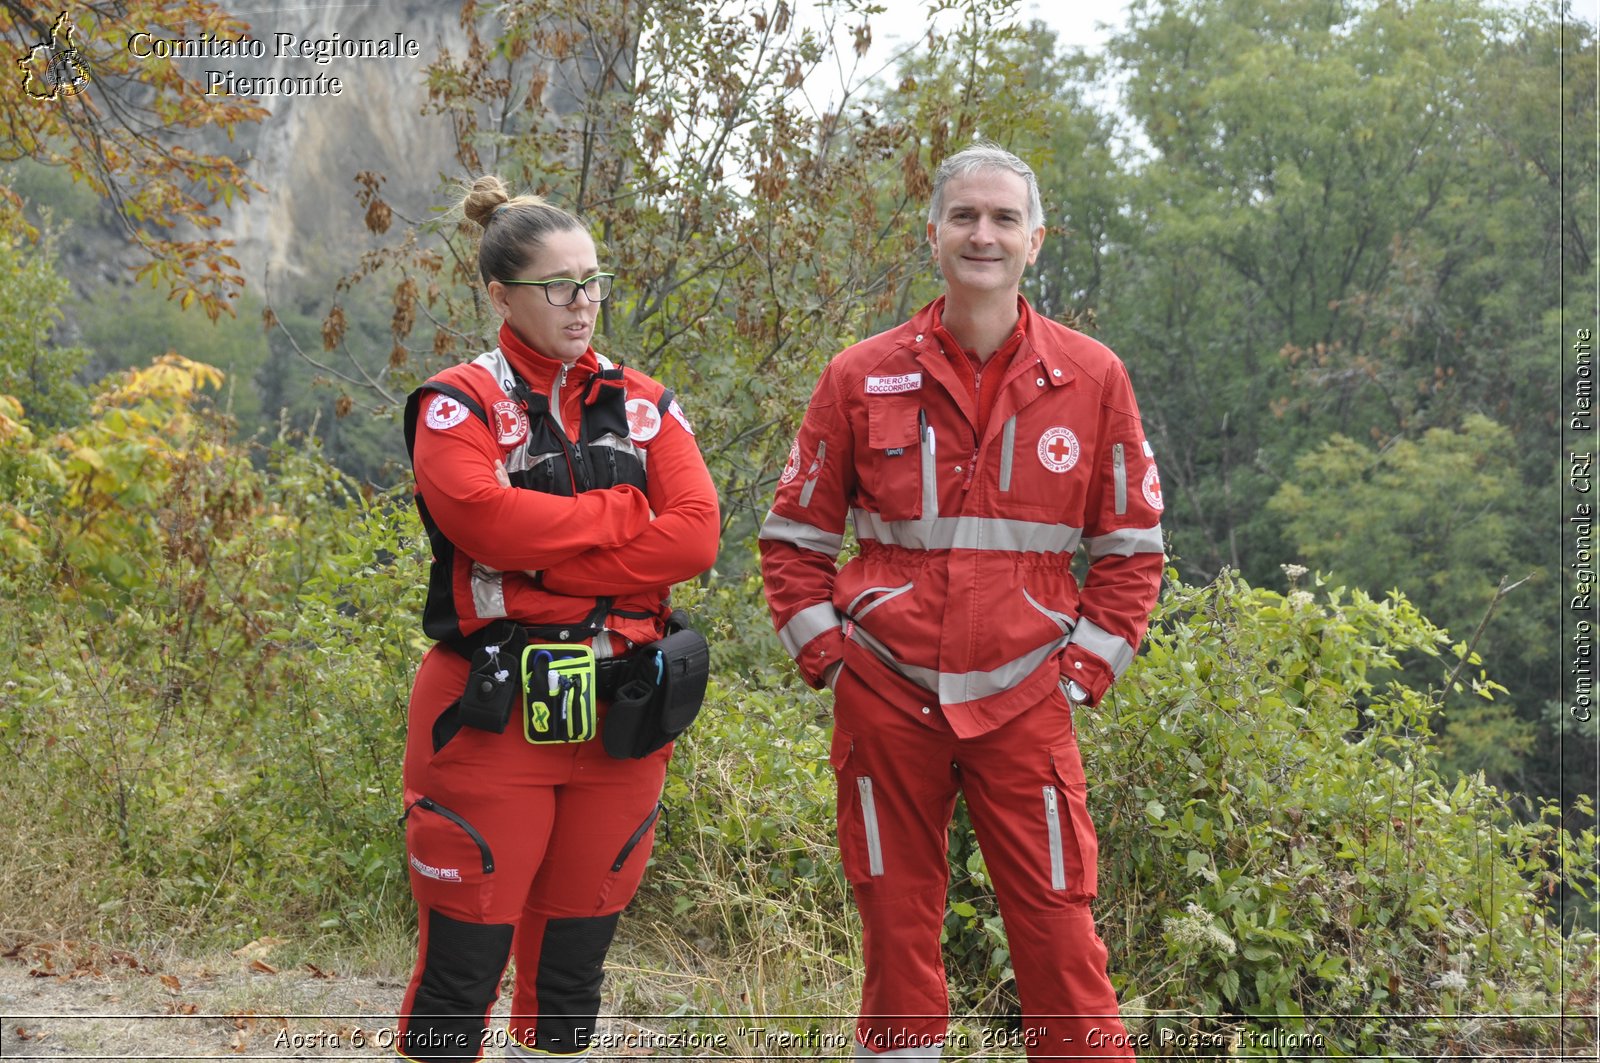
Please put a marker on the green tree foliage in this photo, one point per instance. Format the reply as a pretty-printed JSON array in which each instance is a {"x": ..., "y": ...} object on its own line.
[{"x": 34, "y": 370}]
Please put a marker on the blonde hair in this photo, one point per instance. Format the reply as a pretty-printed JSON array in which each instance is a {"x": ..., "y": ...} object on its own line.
[{"x": 514, "y": 228}]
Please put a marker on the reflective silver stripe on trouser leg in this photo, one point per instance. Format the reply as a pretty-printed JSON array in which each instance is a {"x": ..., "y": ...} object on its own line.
[
  {"x": 914, "y": 1052},
  {"x": 869, "y": 820},
  {"x": 1052, "y": 825}
]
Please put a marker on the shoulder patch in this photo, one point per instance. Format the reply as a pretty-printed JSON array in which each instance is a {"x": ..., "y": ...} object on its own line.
[
  {"x": 677, "y": 413},
  {"x": 644, "y": 420},
  {"x": 1152, "y": 489},
  {"x": 510, "y": 423},
  {"x": 444, "y": 412}
]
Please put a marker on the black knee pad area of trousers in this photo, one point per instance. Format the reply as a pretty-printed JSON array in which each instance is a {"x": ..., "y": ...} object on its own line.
[
  {"x": 460, "y": 977},
  {"x": 571, "y": 967}
]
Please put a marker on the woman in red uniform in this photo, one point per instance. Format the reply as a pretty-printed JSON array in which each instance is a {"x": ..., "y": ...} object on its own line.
[{"x": 563, "y": 496}]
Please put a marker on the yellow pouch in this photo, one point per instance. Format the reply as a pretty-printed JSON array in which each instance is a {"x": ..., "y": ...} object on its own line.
[{"x": 558, "y": 692}]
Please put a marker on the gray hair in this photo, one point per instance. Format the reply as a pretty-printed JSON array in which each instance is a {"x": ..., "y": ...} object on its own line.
[{"x": 985, "y": 155}]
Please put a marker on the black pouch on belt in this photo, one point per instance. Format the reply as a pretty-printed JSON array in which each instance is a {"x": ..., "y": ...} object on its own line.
[
  {"x": 493, "y": 680},
  {"x": 663, "y": 696}
]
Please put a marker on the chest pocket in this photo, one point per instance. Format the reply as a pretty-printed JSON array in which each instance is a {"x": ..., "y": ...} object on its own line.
[{"x": 899, "y": 460}]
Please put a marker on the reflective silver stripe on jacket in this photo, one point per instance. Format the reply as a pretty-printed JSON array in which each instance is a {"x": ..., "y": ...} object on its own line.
[
  {"x": 1113, "y": 650},
  {"x": 953, "y": 688},
  {"x": 1119, "y": 478},
  {"x": 1062, "y": 620},
  {"x": 967, "y": 533},
  {"x": 806, "y": 625},
  {"x": 883, "y": 594},
  {"x": 488, "y": 592},
  {"x": 1008, "y": 446},
  {"x": 813, "y": 472},
  {"x": 798, "y": 533},
  {"x": 1124, "y": 543}
]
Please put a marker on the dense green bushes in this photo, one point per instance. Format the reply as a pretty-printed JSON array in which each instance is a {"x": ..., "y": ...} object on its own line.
[{"x": 203, "y": 719}]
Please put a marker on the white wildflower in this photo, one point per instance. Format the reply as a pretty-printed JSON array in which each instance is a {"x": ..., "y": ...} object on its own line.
[
  {"x": 1294, "y": 571},
  {"x": 1451, "y": 981},
  {"x": 1196, "y": 929},
  {"x": 1301, "y": 599}
]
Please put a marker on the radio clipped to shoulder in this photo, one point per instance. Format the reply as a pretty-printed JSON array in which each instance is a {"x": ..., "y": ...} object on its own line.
[{"x": 558, "y": 692}]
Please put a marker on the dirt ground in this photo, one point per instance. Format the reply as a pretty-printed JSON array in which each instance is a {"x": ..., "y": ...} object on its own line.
[{"x": 67, "y": 1002}]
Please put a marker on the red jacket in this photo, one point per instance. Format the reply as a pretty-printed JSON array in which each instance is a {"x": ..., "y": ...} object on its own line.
[
  {"x": 963, "y": 581},
  {"x": 537, "y": 557}
]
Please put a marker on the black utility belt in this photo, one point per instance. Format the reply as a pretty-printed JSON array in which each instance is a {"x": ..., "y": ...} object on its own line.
[{"x": 654, "y": 692}]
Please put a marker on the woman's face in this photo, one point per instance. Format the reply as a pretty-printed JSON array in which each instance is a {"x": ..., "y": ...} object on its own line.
[{"x": 559, "y": 332}]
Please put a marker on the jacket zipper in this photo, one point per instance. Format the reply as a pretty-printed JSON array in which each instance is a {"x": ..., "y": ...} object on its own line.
[
  {"x": 635, "y": 838},
  {"x": 471, "y": 832}
]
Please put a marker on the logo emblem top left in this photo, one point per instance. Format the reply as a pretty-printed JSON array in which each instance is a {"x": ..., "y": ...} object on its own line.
[{"x": 445, "y": 412}]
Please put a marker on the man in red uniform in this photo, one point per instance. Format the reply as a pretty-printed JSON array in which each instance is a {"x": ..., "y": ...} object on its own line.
[{"x": 975, "y": 449}]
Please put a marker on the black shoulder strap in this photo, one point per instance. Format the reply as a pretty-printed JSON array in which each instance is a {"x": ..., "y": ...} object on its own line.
[{"x": 414, "y": 408}]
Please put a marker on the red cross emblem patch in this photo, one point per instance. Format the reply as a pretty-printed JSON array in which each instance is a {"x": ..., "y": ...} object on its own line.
[
  {"x": 510, "y": 423},
  {"x": 445, "y": 412},
  {"x": 1058, "y": 449},
  {"x": 644, "y": 420}
]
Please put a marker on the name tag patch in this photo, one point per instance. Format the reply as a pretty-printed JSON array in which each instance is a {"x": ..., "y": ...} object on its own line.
[{"x": 894, "y": 385}]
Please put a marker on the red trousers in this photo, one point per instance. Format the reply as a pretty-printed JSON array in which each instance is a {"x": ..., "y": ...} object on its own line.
[
  {"x": 899, "y": 768},
  {"x": 513, "y": 846}
]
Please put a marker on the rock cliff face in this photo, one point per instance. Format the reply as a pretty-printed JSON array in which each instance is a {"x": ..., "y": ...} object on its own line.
[{"x": 306, "y": 225}]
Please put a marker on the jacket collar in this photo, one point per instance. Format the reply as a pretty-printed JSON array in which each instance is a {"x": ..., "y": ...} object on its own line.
[
  {"x": 1053, "y": 364},
  {"x": 539, "y": 371}
]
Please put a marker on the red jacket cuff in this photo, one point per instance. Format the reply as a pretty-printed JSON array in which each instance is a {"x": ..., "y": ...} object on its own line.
[{"x": 1088, "y": 671}]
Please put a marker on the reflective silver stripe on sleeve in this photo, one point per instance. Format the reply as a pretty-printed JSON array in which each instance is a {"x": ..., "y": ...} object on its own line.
[
  {"x": 798, "y": 533},
  {"x": 1119, "y": 476},
  {"x": 1113, "y": 650},
  {"x": 488, "y": 592},
  {"x": 812, "y": 474},
  {"x": 806, "y": 625},
  {"x": 1052, "y": 826},
  {"x": 967, "y": 533},
  {"x": 1124, "y": 543},
  {"x": 1008, "y": 446},
  {"x": 953, "y": 688},
  {"x": 869, "y": 820}
]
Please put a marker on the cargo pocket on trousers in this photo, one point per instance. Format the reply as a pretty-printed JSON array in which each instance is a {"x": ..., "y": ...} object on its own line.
[
  {"x": 1073, "y": 848},
  {"x": 627, "y": 868},
  {"x": 860, "y": 845},
  {"x": 442, "y": 847}
]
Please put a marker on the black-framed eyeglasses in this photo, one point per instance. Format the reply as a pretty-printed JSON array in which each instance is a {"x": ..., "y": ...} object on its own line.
[{"x": 563, "y": 290}]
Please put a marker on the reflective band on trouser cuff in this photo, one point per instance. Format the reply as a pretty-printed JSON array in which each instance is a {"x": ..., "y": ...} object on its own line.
[
  {"x": 1113, "y": 650},
  {"x": 517, "y": 1050},
  {"x": 928, "y": 1052},
  {"x": 798, "y": 533},
  {"x": 967, "y": 533},
  {"x": 1124, "y": 543},
  {"x": 806, "y": 625},
  {"x": 954, "y": 688}
]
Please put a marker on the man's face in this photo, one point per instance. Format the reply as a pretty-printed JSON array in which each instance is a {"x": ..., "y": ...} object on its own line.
[{"x": 981, "y": 240}]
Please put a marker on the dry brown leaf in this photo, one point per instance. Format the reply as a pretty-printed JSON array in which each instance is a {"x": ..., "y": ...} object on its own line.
[
  {"x": 264, "y": 968},
  {"x": 171, "y": 982}
]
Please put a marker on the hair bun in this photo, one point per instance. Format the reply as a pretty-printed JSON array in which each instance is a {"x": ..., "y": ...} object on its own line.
[{"x": 487, "y": 194}]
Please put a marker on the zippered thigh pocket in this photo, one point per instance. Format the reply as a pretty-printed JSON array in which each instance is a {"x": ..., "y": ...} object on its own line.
[
  {"x": 443, "y": 847},
  {"x": 860, "y": 841},
  {"x": 1072, "y": 848}
]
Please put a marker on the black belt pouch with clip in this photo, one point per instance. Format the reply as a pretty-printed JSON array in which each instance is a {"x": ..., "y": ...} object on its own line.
[
  {"x": 663, "y": 695},
  {"x": 495, "y": 677}
]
